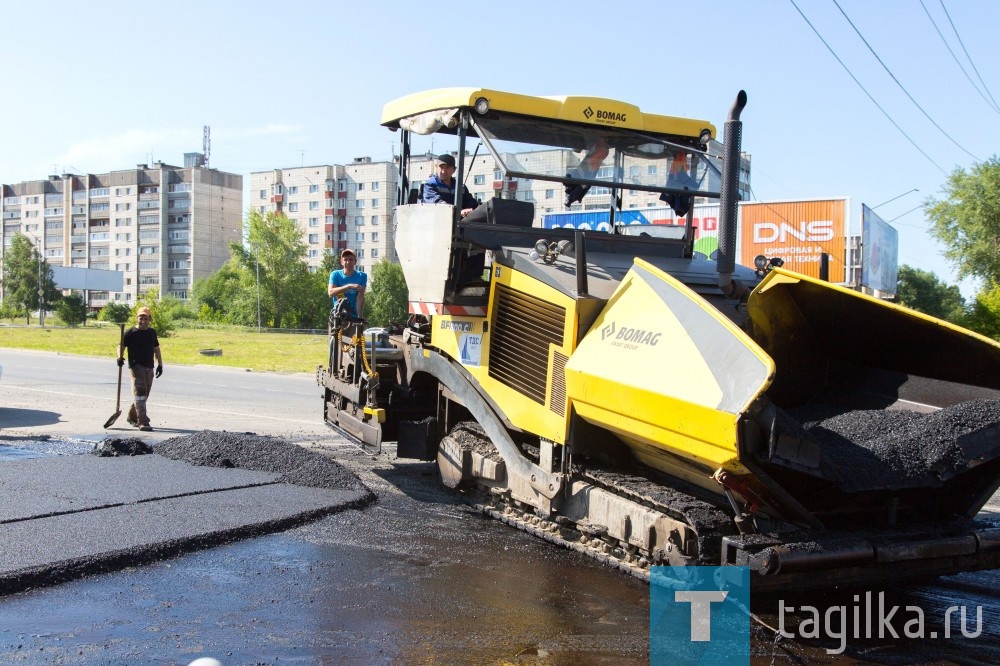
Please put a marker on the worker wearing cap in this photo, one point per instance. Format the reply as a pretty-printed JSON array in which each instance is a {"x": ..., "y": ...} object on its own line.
[
  {"x": 143, "y": 347},
  {"x": 441, "y": 186},
  {"x": 348, "y": 283}
]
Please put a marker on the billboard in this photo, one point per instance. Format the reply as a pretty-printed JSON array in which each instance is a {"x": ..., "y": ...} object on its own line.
[
  {"x": 879, "y": 253},
  {"x": 93, "y": 279},
  {"x": 799, "y": 232},
  {"x": 706, "y": 222}
]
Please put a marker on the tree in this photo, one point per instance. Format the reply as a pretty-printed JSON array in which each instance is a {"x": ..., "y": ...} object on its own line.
[
  {"x": 275, "y": 242},
  {"x": 20, "y": 277},
  {"x": 160, "y": 315},
  {"x": 923, "y": 291},
  {"x": 116, "y": 313},
  {"x": 72, "y": 310},
  {"x": 223, "y": 297},
  {"x": 387, "y": 299},
  {"x": 983, "y": 315},
  {"x": 967, "y": 220}
]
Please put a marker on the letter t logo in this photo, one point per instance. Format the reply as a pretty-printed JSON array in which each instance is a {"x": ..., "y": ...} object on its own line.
[{"x": 701, "y": 611}]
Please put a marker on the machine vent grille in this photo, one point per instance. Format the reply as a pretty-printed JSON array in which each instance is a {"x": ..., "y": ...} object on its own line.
[
  {"x": 522, "y": 329},
  {"x": 557, "y": 402}
]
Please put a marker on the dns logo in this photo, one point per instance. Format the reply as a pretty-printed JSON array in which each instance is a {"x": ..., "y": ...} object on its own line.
[
  {"x": 608, "y": 331},
  {"x": 817, "y": 231}
]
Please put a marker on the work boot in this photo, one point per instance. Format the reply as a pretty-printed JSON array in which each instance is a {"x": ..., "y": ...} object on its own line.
[
  {"x": 146, "y": 428},
  {"x": 132, "y": 422}
]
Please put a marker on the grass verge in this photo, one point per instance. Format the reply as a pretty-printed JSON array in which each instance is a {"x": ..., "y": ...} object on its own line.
[{"x": 264, "y": 352}]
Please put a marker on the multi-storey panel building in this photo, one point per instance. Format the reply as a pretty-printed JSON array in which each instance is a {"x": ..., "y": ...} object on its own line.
[
  {"x": 161, "y": 226},
  {"x": 335, "y": 206},
  {"x": 350, "y": 205}
]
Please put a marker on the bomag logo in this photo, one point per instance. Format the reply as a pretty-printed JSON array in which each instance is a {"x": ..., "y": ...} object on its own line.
[
  {"x": 629, "y": 338},
  {"x": 611, "y": 115},
  {"x": 605, "y": 116}
]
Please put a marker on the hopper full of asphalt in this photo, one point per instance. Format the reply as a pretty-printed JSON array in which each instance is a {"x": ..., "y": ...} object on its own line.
[{"x": 69, "y": 516}]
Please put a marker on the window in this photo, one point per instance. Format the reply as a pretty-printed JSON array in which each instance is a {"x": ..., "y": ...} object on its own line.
[
  {"x": 313, "y": 254},
  {"x": 374, "y": 203},
  {"x": 123, "y": 206},
  {"x": 361, "y": 187},
  {"x": 360, "y": 203},
  {"x": 313, "y": 221},
  {"x": 328, "y": 219},
  {"x": 374, "y": 236},
  {"x": 313, "y": 189},
  {"x": 359, "y": 220},
  {"x": 651, "y": 170},
  {"x": 263, "y": 194},
  {"x": 374, "y": 252},
  {"x": 375, "y": 186},
  {"x": 374, "y": 219},
  {"x": 633, "y": 171},
  {"x": 313, "y": 205},
  {"x": 549, "y": 194},
  {"x": 342, "y": 185},
  {"x": 498, "y": 175},
  {"x": 359, "y": 237},
  {"x": 293, "y": 207},
  {"x": 313, "y": 238},
  {"x": 294, "y": 189},
  {"x": 263, "y": 209},
  {"x": 479, "y": 179}
]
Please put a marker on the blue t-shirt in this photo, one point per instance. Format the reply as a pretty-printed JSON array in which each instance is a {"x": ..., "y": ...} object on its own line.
[{"x": 338, "y": 279}]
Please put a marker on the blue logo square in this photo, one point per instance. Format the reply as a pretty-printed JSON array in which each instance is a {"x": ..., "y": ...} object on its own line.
[{"x": 699, "y": 615}]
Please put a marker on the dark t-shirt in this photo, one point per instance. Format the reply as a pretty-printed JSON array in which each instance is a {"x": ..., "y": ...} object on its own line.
[{"x": 140, "y": 345}]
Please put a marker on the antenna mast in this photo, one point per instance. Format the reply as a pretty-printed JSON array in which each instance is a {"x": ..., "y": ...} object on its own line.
[{"x": 206, "y": 143}]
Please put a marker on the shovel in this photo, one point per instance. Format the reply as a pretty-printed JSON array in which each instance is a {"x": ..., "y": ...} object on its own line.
[{"x": 118, "y": 402}]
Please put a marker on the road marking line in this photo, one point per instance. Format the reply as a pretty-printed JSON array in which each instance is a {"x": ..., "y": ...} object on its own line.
[{"x": 158, "y": 405}]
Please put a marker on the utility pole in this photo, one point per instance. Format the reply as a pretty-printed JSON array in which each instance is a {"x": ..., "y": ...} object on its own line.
[
  {"x": 256, "y": 260},
  {"x": 41, "y": 292}
]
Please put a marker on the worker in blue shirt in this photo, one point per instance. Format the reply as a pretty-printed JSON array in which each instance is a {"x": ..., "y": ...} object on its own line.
[
  {"x": 441, "y": 187},
  {"x": 348, "y": 283}
]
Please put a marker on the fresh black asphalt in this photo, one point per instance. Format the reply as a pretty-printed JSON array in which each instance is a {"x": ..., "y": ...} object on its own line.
[{"x": 68, "y": 516}]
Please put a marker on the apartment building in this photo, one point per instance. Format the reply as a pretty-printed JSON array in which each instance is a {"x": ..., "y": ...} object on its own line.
[
  {"x": 486, "y": 180},
  {"x": 161, "y": 226},
  {"x": 336, "y": 206}
]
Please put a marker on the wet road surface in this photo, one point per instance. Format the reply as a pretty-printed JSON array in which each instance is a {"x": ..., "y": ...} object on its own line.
[{"x": 419, "y": 577}]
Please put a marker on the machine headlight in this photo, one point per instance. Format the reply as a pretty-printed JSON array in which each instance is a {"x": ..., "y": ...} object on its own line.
[
  {"x": 482, "y": 106},
  {"x": 760, "y": 262}
]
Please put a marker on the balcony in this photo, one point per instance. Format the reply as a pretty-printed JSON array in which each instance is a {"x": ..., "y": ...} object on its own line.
[{"x": 149, "y": 196}]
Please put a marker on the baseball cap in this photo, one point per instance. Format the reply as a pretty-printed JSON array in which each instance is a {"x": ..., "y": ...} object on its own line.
[
  {"x": 144, "y": 311},
  {"x": 348, "y": 251},
  {"x": 446, "y": 159}
]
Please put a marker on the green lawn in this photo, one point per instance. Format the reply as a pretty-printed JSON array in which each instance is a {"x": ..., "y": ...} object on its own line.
[{"x": 274, "y": 352}]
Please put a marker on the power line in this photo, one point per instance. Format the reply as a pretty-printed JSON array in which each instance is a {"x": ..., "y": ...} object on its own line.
[
  {"x": 991, "y": 104},
  {"x": 966, "y": 52},
  {"x": 855, "y": 79},
  {"x": 901, "y": 87}
]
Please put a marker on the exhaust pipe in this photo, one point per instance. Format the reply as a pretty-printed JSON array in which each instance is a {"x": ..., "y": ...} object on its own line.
[{"x": 729, "y": 198}]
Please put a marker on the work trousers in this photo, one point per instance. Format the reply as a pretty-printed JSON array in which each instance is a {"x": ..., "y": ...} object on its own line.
[{"x": 142, "y": 382}]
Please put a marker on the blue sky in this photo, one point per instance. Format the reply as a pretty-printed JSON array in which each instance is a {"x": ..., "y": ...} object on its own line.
[{"x": 103, "y": 86}]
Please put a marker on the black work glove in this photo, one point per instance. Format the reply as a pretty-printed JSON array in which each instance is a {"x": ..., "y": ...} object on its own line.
[
  {"x": 159, "y": 370},
  {"x": 121, "y": 362}
]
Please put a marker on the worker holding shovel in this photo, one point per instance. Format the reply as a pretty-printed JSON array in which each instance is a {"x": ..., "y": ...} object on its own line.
[{"x": 142, "y": 345}]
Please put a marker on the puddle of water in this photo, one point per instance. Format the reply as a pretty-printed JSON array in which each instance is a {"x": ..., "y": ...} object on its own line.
[{"x": 25, "y": 449}]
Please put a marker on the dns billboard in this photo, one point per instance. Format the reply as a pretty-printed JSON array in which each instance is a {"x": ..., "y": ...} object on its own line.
[{"x": 797, "y": 231}]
